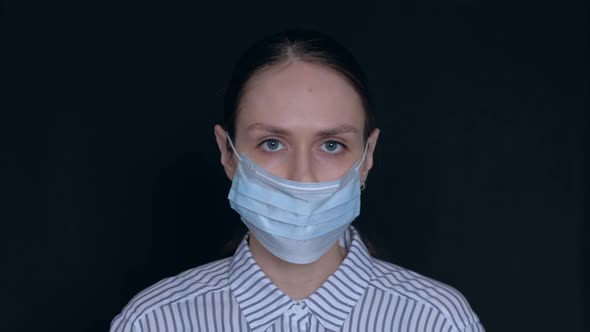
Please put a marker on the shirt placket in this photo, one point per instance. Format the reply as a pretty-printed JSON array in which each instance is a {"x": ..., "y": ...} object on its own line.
[{"x": 297, "y": 317}]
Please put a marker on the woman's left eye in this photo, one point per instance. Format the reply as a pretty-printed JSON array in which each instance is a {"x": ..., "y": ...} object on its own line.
[{"x": 332, "y": 147}]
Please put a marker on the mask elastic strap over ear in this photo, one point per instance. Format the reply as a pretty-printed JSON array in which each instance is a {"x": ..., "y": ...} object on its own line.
[
  {"x": 364, "y": 155},
  {"x": 232, "y": 145}
]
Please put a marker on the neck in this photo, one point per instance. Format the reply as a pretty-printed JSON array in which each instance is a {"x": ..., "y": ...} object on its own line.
[{"x": 298, "y": 281}]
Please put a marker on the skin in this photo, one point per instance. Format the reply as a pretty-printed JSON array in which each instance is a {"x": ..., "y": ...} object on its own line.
[{"x": 303, "y": 122}]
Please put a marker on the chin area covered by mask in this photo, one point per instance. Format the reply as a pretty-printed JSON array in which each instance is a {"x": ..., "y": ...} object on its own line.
[{"x": 297, "y": 222}]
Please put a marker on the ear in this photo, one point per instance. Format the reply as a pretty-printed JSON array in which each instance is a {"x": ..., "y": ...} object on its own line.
[
  {"x": 228, "y": 159},
  {"x": 368, "y": 164}
]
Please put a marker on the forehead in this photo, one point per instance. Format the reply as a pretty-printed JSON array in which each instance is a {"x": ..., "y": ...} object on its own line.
[{"x": 300, "y": 95}]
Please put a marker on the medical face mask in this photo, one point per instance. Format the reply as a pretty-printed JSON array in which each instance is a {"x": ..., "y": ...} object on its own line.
[{"x": 297, "y": 222}]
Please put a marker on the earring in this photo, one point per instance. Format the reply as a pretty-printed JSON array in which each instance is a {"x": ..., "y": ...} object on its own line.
[{"x": 363, "y": 186}]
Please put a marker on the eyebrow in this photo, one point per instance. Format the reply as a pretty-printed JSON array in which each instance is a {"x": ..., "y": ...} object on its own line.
[
  {"x": 271, "y": 129},
  {"x": 342, "y": 129}
]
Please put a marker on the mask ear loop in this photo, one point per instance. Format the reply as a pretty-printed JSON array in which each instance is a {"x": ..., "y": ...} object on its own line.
[
  {"x": 363, "y": 186},
  {"x": 364, "y": 155},
  {"x": 232, "y": 145}
]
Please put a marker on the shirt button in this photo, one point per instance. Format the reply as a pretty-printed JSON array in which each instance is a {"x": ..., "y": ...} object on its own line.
[{"x": 296, "y": 308}]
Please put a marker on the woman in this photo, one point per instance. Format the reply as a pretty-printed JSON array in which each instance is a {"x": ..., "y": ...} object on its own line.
[{"x": 297, "y": 143}]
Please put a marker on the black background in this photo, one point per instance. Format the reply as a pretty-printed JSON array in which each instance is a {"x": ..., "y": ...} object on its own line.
[{"x": 114, "y": 179}]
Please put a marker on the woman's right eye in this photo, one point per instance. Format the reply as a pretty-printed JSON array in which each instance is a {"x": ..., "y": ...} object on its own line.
[{"x": 272, "y": 145}]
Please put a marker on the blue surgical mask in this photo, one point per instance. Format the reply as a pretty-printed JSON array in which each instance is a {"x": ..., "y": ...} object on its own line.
[{"x": 296, "y": 221}]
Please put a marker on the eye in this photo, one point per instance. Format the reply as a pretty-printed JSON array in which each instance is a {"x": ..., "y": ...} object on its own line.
[
  {"x": 332, "y": 147},
  {"x": 272, "y": 145}
]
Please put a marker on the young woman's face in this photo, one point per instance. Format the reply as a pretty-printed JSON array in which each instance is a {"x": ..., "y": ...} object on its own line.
[{"x": 302, "y": 122}]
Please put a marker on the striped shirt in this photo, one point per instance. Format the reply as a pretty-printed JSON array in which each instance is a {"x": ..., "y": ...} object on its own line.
[{"x": 233, "y": 294}]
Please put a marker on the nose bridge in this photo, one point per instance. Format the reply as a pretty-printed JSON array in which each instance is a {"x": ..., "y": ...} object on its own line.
[{"x": 301, "y": 168}]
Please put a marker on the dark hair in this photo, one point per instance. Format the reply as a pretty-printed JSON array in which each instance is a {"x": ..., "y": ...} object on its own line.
[{"x": 295, "y": 44}]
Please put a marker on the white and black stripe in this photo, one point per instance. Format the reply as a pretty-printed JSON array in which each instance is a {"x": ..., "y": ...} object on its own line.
[{"x": 364, "y": 294}]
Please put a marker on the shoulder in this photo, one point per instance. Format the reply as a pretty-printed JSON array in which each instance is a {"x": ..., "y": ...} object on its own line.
[
  {"x": 442, "y": 298},
  {"x": 185, "y": 286}
]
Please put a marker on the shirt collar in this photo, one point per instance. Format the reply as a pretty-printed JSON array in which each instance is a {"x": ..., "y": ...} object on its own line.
[{"x": 262, "y": 302}]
